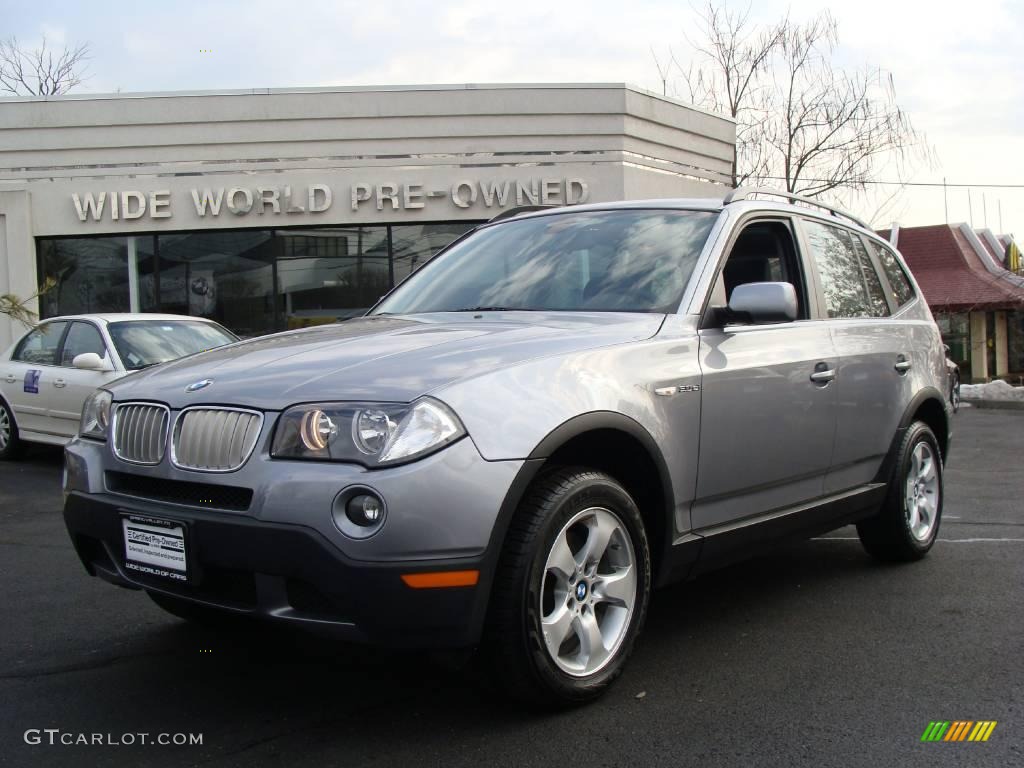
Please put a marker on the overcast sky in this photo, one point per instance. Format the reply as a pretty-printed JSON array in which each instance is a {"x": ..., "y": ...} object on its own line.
[{"x": 954, "y": 63}]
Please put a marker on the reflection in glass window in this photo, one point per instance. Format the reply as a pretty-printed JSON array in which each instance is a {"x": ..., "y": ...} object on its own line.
[
  {"x": 415, "y": 244},
  {"x": 224, "y": 276},
  {"x": 142, "y": 343},
  {"x": 82, "y": 338},
  {"x": 90, "y": 275},
  {"x": 843, "y": 277},
  {"x": 40, "y": 346},
  {"x": 625, "y": 261},
  {"x": 901, "y": 287},
  {"x": 876, "y": 294},
  {"x": 326, "y": 275}
]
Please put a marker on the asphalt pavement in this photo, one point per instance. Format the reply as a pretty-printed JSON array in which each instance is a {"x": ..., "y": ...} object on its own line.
[{"x": 810, "y": 655}]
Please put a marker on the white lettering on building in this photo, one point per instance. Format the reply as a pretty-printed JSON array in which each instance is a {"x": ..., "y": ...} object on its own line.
[{"x": 207, "y": 202}]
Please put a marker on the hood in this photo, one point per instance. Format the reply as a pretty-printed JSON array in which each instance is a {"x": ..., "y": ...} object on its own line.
[{"x": 380, "y": 358}]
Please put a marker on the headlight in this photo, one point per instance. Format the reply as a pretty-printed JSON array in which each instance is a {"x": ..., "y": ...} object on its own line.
[
  {"x": 374, "y": 434},
  {"x": 96, "y": 415}
]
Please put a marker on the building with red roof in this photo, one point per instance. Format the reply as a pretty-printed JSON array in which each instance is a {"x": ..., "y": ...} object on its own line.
[{"x": 977, "y": 302}]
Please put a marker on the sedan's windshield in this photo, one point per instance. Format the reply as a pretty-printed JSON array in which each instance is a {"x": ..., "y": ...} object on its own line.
[
  {"x": 142, "y": 343},
  {"x": 609, "y": 261}
]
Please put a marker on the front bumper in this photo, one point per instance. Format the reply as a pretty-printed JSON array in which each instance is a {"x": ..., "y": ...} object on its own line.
[{"x": 283, "y": 558}]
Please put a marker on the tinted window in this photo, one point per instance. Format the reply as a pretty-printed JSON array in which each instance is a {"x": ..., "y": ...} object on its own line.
[
  {"x": 876, "y": 294},
  {"x": 40, "y": 346},
  {"x": 141, "y": 343},
  {"x": 626, "y": 261},
  {"x": 82, "y": 338},
  {"x": 898, "y": 281},
  {"x": 844, "y": 269}
]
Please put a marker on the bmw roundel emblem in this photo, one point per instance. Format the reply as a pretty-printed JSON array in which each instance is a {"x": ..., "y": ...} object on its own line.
[
  {"x": 581, "y": 591},
  {"x": 196, "y": 386}
]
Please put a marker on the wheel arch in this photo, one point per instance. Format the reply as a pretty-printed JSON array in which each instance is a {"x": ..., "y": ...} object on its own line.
[
  {"x": 621, "y": 447},
  {"x": 929, "y": 406}
]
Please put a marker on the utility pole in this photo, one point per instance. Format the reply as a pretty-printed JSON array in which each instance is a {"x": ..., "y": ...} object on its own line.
[
  {"x": 945, "y": 198},
  {"x": 1000, "y": 202},
  {"x": 970, "y": 207},
  {"x": 984, "y": 210}
]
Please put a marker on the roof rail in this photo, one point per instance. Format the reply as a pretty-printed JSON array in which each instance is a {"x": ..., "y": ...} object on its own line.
[
  {"x": 745, "y": 193},
  {"x": 518, "y": 210}
]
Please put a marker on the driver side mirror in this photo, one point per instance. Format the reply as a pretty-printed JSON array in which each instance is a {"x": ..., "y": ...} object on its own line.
[
  {"x": 90, "y": 361},
  {"x": 764, "y": 302}
]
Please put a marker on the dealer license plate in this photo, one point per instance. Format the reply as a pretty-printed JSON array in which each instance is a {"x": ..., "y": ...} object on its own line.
[{"x": 155, "y": 547}]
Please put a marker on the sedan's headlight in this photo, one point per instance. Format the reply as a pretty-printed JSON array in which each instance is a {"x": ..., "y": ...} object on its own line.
[
  {"x": 96, "y": 415},
  {"x": 374, "y": 434}
]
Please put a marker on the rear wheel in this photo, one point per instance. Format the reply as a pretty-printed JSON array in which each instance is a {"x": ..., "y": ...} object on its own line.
[
  {"x": 11, "y": 446},
  {"x": 954, "y": 391},
  {"x": 906, "y": 527},
  {"x": 571, "y": 591}
]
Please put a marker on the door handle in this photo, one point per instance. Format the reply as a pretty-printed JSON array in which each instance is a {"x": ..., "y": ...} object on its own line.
[
  {"x": 59, "y": 383},
  {"x": 902, "y": 364},
  {"x": 10, "y": 378},
  {"x": 823, "y": 374}
]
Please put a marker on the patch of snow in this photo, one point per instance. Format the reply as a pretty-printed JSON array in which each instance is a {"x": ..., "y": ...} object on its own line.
[{"x": 994, "y": 390}]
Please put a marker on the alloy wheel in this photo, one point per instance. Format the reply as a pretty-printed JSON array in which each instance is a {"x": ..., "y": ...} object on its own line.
[
  {"x": 922, "y": 492},
  {"x": 5, "y": 428},
  {"x": 588, "y": 591}
]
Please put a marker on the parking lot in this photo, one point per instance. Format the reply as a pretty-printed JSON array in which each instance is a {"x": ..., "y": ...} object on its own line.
[{"x": 813, "y": 654}]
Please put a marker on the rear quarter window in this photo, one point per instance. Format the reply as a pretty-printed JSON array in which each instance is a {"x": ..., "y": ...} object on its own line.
[{"x": 902, "y": 290}]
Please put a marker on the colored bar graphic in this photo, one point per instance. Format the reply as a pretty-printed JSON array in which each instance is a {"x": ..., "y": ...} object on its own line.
[{"x": 958, "y": 730}]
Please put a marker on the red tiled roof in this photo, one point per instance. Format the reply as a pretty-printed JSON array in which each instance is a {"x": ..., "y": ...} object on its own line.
[{"x": 951, "y": 273}]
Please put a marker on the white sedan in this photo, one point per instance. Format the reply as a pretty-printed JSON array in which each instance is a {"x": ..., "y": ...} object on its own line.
[{"x": 47, "y": 375}]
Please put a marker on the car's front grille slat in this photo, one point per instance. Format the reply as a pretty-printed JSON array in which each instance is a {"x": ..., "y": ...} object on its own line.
[
  {"x": 215, "y": 439},
  {"x": 229, "y": 497},
  {"x": 140, "y": 432}
]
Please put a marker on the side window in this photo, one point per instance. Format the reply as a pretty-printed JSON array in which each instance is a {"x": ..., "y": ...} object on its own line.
[
  {"x": 898, "y": 281},
  {"x": 876, "y": 294},
  {"x": 40, "y": 346},
  {"x": 82, "y": 338},
  {"x": 764, "y": 251},
  {"x": 848, "y": 279}
]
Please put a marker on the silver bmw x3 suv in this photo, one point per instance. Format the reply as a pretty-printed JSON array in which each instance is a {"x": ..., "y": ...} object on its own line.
[{"x": 559, "y": 412}]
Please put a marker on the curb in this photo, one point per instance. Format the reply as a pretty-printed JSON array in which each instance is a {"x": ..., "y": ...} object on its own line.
[{"x": 1003, "y": 405}]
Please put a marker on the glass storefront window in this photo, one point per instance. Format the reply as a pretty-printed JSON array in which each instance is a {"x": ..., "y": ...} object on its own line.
[
  {"x": 1015, "y": 341},
  {"x": 955, "y": 329},
  {"x": 251, "y": 282},
  {"x": 225, "y": 276},
  {"x": 90, "y": 275},
  {"x": 331, "y": 274},
  {"x": 415, "y": 244}
]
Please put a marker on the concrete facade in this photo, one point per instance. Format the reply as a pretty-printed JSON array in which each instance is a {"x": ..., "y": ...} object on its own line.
[{"x": 183, "y": 162}]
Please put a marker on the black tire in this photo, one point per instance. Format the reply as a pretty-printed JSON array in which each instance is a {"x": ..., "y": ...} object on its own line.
[
  {"x": 887, "y": 536},
  {"x": 514, "y": 647},
  {"x": 12, "y": 447},
  {"x": 196, "y": 613}
]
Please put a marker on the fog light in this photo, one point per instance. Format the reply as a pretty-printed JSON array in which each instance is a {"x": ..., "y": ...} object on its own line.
[{"x": 364, "y": 510}]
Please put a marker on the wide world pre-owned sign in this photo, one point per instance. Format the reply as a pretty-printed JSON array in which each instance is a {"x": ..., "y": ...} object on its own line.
[{"x": 210, "y": 201}]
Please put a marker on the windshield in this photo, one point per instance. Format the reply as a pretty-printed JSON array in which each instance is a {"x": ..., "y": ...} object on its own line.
[
  {"x": 608, "y": 261},
  {"x": 142, "y": 343}
]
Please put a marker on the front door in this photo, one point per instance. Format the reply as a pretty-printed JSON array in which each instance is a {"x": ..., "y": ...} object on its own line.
[
  {"x": 29, "y": 375},
  {"x": 767, "y": 426},
  {"x": 71, "y": 386}
]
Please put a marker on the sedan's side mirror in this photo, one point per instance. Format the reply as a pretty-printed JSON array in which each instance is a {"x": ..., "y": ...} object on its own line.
[
  {"x": 764, "y": 302},
  {"x": 90, "y": 361}
]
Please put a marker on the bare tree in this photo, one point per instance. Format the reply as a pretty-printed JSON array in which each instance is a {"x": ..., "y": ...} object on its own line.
[
  {"x": 41, "y": 71},
  {"x": 728, "y": 74},
  {"x": 802, "y": 123}
]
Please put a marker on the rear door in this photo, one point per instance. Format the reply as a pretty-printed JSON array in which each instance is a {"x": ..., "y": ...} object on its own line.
[
  {"x": 872, "y": 386},
  {"x": 767, "y": 427},
  {"x": 28, "y": 377},
  {"x": 71, "y": 385}
]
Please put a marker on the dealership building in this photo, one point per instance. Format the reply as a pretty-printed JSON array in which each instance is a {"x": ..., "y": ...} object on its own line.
[{"x": 275, "y": 208}]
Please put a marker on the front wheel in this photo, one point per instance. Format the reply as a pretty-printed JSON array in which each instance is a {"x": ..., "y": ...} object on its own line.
[
  {"x": 11, "y": 446},
  {"x": 572, "y": 589},
  {"x": 906, "y": 526}
]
